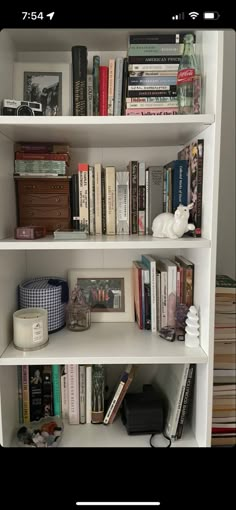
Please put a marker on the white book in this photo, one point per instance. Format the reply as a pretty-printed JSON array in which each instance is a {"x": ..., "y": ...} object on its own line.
[
  {"x": 172, "y": 381},
  {"x": 73, "y": 394},
  {"x": 82, "y": 393},
  {"x": 122, "y": 202},
  {"x": 118, "y": 85},
  {"x": 88, "y": 394},
  {"x": 98, "y": 197},
  {"x": 83, "y": 197},
  {"x": 111, "y": 86},
  {"x": 110, "y": 198}
]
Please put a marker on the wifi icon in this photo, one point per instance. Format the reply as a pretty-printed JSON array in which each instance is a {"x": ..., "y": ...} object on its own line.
[{"x": 193, "y": 14}]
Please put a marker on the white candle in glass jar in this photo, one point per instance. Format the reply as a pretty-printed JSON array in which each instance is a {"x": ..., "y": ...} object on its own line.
[{"x": 30, "y": 328}]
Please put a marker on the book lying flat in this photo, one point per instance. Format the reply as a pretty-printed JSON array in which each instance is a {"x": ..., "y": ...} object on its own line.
[{"x": 69, "y": 235}]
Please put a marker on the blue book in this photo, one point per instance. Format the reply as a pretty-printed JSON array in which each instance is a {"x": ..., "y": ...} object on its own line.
[{"x": 179, "y": 182}]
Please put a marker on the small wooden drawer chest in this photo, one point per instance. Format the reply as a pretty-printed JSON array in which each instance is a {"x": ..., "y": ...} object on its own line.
[{"x": 43, "y": 201}]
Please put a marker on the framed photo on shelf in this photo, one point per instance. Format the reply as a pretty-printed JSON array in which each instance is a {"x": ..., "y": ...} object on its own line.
[
  {"x": 46, "y": 88},
  {"x": 30, "y": 78},
  {"x": 109, "y": 293}
]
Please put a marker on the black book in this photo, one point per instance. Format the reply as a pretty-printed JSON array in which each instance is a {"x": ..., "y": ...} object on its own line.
[
  {"x": 124, "y": 86},
  {"x": 158, "y": 38},
  {"x": 172, "y": 92},
  {"x": 36, "y": 392},
  {"x": 47, "y": 392},
  {"x": 75, "y": 202},
  {"x": 79, "y": 78},
  {"x": 186, "y": 400}
]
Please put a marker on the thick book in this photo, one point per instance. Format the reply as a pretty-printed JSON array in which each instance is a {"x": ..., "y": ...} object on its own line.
[
  {"x": 133, "y": 172},
  {"x": 188, "y": 279},
  {"x": 150, "y": 263},
  {"x": 158, "y": 38},
  {"x": 79, "y": 80},
  {"x": 141, "y": 197},
  {"x": 82, "y": 393},
  {"x": 103, "y": 90},
  {"x": 56, "y": 386},
  {"x": 110, "y": 199},
  {"x": 122, "y": 202},
  {"x": 118, "y": 396},
  {"x": 155, "y": 194},
  {"x": 36, "y": 391},
  {"x": 179, "y": 171},
  {"x": 83, "y": 197}
]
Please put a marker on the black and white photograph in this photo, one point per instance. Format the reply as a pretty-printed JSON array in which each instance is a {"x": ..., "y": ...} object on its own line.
[{"x": 44, "y": 88}]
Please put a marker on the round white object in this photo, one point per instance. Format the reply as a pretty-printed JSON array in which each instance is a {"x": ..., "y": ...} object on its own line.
[{"x": 30, "y": 328}]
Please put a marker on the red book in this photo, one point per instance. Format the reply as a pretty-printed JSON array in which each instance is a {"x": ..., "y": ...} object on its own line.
[{"x": 103, "y": 90}]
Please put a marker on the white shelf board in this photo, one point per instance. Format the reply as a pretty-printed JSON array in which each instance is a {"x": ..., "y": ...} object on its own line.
[
  {"x": 130, "y": 131},
  {"x": 115, "y": 435},
  {"x": 118, "y": 242},
  {"x": 106, "y": 343}
]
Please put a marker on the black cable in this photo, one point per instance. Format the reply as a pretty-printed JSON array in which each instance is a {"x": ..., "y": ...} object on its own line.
[{"x": 153, "y": 435}]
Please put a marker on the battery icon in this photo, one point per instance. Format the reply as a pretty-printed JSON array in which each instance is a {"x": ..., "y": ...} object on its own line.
[{"x": 211, "y": 15}]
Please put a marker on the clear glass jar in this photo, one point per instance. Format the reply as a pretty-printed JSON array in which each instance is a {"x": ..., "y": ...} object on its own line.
[
  {"x": 78, "y": 317},
  {"x": 189, "y": 80}
]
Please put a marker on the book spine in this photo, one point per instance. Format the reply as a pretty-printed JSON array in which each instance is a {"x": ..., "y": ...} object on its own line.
[
  {"x": 73, "y": 394},
  {"x": 113, "y": 403},
  {"x": 45, "y": 166},
  {"x": 110, "y": 196},
  {"x": 147, "y": 300},
  {"x": 98, "y": 198},
  {"x": 151, "y": 264},
  {"x": 79, "y": 77},
  {"x": 171, "y": 297},
  {"x": 26, "y": 394},
  {"x": 20, "y": 394},
  {"x": 83, "y": 197},
  {"x": 91, "y": 201},
  {"x": 122, "y": 202},
  {"x": 82, "y": 393},
  {"x": 158, "y": 39},
  {"x": 180, "y": 184},
  {"x": 124, "y": 86},
  {"x": 149, "y": 101},
  {"x": 155, "y": 194},
  {"x": 147, "y": 202},
  {"x": 111, "y": 86},
  {"x": 47, "y": 391},
  {"x": 168, "y": 91},
  {"x": 42, "y": 148},
  {"x": 158, "y": 104},
  {"x": 118, "y": 86},
  {"x": 97, "y": 393},
  {"x": 75, "y": 201},
  {"x": 141, "y": 198},
  {"x": 186, "y": 401},
  {"x": 137, "y": 279},
  {"x": 151, "y": 111},
  {"x": 163, "y": 299},
  {"x": 90, "y": 94},
  {"x": 103, "y": 90},
  {"x": 158, "y": 294},
  {"x": 155, "y": 49},
  {"x": 96, "y": 65},
  {"x": 152, "y": 80},
  {"x": 64, "y": 393},
  {"x": 155, "y": 59},
  {"x": 41, "y": 157},
  {"x": 133, "y": 197},
  {"x": 88, "y": 394},
  {"x": 103, "y": 192},
  {"x": 198, "y": 224},
  {"x": 157, "y": 69},
  {"x": 36, "y": 393},
  {"x": 56, "y": 386},
  {"x": 180, "y": 401}
]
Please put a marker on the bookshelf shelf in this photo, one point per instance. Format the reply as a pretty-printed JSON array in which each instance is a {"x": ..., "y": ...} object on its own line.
[
  {"x": 106, "y": 343},
  {"x": 105, "y": 243},
  {"x": 131, "y": 131},
  {"x": 115, "y": 435}
]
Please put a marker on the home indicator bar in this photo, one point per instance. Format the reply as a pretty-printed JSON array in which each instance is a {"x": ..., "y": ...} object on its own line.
[{"x": 117, "y": 503}]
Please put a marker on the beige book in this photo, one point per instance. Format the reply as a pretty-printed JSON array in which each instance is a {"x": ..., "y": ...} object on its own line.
[{"x": 98, "y": 198}]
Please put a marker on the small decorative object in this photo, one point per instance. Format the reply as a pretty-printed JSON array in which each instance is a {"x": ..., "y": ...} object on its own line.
[
  {"x": 78, "y": 316},
  {"x": 98, "y": 387},
  {"x": 46, "y": 88},
  {"x": 192, "y": 328},
  {"x": 30, "y": 232},
  {"x": 167, "y": 333},
  {"x": 173, "y": 225},
  {"x": 108, "y": 293},
  {"x": 50, "y": 293},
  {"x": 30, "y": 328},
  {"x": 45, "y": 433}
]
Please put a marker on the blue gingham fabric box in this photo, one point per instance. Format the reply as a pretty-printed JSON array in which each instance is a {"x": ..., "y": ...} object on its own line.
[{"x": 38, "y": 292}]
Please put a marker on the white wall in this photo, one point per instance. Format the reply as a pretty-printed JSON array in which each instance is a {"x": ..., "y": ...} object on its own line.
[{"x": 227, "y": 214}]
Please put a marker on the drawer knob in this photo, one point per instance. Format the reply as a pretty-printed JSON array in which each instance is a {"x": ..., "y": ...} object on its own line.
[{"x": 59, "y": 213}]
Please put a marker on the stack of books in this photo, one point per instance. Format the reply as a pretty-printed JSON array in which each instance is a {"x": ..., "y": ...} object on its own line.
[
  {"x": 35, "y": 159},
  {"x": 224, "y": 389}
]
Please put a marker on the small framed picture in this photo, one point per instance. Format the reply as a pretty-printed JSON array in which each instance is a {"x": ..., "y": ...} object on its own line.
[
  {"x": 108, "y": 292},
  {"x": 45, "y": 88}
]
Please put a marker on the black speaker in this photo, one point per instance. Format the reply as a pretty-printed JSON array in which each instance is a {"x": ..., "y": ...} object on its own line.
[{"x": 142, "y": 413}]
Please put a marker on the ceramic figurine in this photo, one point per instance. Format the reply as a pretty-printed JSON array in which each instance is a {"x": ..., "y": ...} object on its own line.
[
  {"x": 173, "y": 225},
  {"x": 192, "y": 328}
]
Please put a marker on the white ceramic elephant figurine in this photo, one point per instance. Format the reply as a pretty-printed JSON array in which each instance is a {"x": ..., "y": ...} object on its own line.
[{"x": 173, "y": 225}]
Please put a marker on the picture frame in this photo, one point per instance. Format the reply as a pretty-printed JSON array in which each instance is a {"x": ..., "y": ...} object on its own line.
[
  {"x": 45, "y": 67},
  {"x": 44, "y": 87},
  {"x": 109, "y": 293}
]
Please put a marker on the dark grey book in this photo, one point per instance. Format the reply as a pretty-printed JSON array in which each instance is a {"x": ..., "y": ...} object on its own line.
[{"x": 155, "y": 194}]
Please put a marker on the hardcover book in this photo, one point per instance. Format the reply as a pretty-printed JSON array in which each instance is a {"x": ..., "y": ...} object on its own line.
[
  {"x": 118, "y": 396},
  {"x": 79, "y": 77}
]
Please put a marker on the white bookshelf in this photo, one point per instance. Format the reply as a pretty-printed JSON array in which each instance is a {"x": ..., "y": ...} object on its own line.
[{"x": 115, "y": 140}]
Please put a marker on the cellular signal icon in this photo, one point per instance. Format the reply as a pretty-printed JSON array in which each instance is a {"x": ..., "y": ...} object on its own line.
[
  {"x": 178, "y": 16},
  {"x": 193, "y": 14}
]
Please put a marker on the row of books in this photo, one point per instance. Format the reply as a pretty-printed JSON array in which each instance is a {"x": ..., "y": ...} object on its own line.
[
  {"x": 144, "y": 83},
  {"x": 224, "y": 388},
  {"x": 41, "y": 159},
  {"x": 160, "y": 286},
  {"x": 108, "y": 201}
]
